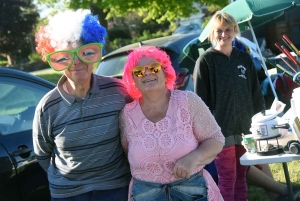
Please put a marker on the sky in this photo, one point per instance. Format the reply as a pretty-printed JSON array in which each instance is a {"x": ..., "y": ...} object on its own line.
[{"x": 44, "y": 11}]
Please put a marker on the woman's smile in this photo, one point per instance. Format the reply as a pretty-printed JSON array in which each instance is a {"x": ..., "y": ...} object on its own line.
[{"x": 149, "y": 80}]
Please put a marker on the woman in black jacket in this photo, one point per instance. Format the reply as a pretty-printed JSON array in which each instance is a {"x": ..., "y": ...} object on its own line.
[{"x": 225, "y": 78}]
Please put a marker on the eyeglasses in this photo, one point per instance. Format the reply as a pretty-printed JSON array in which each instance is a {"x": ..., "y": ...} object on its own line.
[
  {"x": 139, "y": 71},
  {"x": 63, "y": 59}
]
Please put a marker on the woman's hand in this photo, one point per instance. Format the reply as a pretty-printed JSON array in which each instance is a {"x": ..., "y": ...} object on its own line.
[
  {"x": 185, "y": 166},
  {"x": 203, "y": 155}
]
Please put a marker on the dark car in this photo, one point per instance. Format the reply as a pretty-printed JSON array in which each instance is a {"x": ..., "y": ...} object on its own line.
[
  {"x": 21, "y": 177},
  {"x": 112, "y": 64}
]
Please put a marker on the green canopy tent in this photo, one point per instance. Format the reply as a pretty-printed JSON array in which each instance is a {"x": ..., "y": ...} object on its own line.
[{"x": 252, "y": 13}]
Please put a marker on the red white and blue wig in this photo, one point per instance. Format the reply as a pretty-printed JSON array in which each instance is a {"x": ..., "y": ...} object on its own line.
[{"x": 69, "y": 28}]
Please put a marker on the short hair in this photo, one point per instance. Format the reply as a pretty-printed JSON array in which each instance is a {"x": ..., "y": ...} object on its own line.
[
  {"x": 68, "y": 28},
  {"x": 222, "y": 18},
  {"x": 149, "y": 52}
]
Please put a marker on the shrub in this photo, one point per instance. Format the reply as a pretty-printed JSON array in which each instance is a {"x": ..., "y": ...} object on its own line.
[
  {"x": 3, "y": 63},
  {"x": 147, "y": 35},
  {"x": 35, "y": 57},
  {"x": 119, "y": 42},
  {"x": 117, "y": 32}
]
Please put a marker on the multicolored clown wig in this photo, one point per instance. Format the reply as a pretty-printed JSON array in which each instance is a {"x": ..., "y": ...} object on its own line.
[
  {"x": 68, "y": 28},
  {"x": 148, "y": 52}
]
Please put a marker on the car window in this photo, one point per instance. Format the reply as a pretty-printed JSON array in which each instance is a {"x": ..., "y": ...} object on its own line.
[
  {"x": 112, "y": 66},
  {"x": 18, "y": 99}
]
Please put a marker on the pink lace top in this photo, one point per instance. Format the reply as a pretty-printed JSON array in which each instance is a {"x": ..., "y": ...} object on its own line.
[{"x": 153, "y": 148}]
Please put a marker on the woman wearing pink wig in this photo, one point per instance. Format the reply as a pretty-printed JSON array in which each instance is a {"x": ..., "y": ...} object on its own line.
[{"x": 168, "y": 135}]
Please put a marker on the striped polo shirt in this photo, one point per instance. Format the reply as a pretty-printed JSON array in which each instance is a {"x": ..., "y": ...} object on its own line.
[{"x": 77, "y": 141}]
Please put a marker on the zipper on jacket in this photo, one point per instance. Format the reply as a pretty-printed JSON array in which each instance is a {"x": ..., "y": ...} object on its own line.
[{"x": 234, "y": 111}]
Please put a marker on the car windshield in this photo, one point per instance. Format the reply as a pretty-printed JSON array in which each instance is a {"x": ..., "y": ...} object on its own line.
[
  {"x": 187, "y": 28},
  {"x": 182, "y": 29},
  {"x": 112, "y": 66}
]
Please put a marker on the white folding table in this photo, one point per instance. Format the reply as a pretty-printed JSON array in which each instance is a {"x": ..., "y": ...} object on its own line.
[{"x": 254, "y": 159}]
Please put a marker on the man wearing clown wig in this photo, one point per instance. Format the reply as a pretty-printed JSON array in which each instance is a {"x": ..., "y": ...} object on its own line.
[{"x": 75, "y": 131}]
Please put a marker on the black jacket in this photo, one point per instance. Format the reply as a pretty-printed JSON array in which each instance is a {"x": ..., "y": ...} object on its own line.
[{"x": 230, "y": 88}]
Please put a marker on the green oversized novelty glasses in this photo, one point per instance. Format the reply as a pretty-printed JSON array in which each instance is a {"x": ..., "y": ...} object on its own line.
[
  {"x": 63, "y": 59},
  {"x": 139, "y": 71}
]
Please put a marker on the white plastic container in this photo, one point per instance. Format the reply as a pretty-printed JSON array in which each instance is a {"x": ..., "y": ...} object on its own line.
[{"x": 295, "y": 102}]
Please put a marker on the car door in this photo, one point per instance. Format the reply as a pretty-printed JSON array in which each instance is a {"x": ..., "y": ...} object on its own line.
[{"x": 21, "y": 177}]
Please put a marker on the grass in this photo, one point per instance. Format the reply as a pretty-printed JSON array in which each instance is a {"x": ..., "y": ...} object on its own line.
[
  {"x": 258, "y": 194},
  {"x": 3, "y": 63},
  {"x": 52, "y": 77},
  {"x": 255, "y": 193}
]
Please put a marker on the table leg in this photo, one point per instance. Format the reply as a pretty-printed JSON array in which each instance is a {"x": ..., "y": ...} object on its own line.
[{"x": 288, "y": 181}]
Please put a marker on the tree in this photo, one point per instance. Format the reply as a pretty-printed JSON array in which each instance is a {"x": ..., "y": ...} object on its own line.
[
  {"x": 159, "y": 10},
  {"x": 18, "y": 18}
]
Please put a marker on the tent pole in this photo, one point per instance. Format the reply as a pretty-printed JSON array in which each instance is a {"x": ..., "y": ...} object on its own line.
[{"x": 263, "y": 61}]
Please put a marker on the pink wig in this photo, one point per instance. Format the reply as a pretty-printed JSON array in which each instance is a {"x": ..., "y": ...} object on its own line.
[{"x": 148, "y": 52}]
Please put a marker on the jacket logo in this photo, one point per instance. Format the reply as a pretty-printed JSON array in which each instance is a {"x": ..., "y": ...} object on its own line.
[{"x": 243, "y": 70}]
